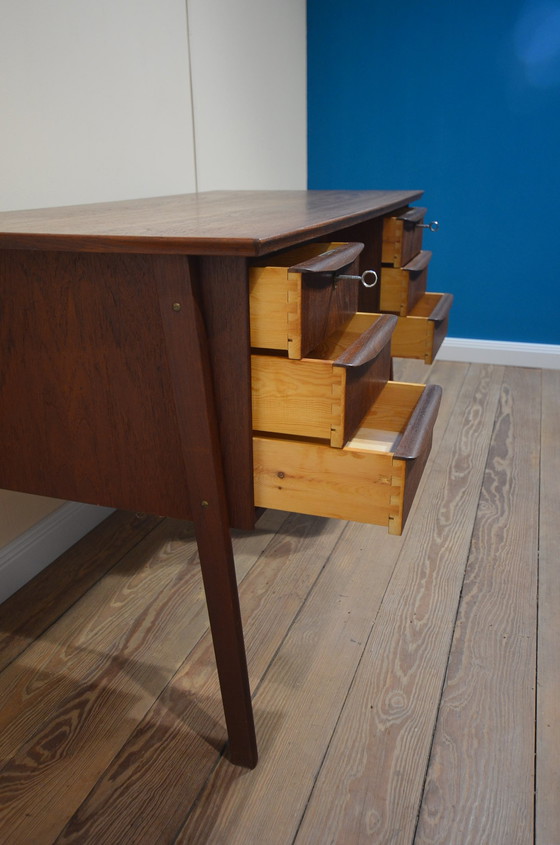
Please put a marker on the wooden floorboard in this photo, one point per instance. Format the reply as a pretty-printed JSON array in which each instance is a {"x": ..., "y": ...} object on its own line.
[
  {"x": 29, "y": 612},
  {"x": 480, "y": 781},
  {"x": 547, "y": 815},
  {"x": 183, "y": 735},
  {"x": 81, "y": 690},
  {"x": 376, "y": 763},
  {"x": 321, "y": 653},
  {"x": 393, "y": 677},
  {"x": 299, "y": 701}
]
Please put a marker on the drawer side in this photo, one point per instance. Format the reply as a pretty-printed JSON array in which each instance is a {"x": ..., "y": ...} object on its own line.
[
  {"x": 274, "y": 307},
  {"x": 421, "y": 333},
  {"x": 304, "y": 397},
  {"x": 366, "y": 481},
  {"x": 313, "y": 478},
  {"x": 402, "y": 239}
]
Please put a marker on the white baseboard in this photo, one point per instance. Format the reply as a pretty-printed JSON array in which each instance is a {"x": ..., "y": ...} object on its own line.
[
  {"x": 544, "y": 356},
  {"x": 28, "y": 554}
]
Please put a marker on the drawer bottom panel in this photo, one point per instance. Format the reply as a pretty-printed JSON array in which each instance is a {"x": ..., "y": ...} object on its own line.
[
  {"x": 372, "y": 479},
  {"x": 421, "y": 333}
]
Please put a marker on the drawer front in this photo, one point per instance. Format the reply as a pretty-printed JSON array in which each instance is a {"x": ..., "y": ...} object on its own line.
[
  {"x": 373, "y": 479},
  {"x": 402, "y": 236},
  {"x": 326, "y": 394},
  {"x": 421, "y": 333},
  {"x": 295, "y": 310},
  {"x": 402, "y": 288}
]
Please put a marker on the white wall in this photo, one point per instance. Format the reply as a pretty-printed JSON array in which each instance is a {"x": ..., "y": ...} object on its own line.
[
  {"x": 248, "y": 64},
  {"x": 94, "y": 101},
  {"x": 97, "y": 103}
]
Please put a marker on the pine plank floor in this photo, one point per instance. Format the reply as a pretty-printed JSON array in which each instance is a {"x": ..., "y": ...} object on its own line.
[{"x": 406, "y": 689}]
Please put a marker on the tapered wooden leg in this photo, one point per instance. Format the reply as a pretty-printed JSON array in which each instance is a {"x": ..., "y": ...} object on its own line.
[
  {"x": 218, "y": 573},
  {"x": 187, "y": 352}
]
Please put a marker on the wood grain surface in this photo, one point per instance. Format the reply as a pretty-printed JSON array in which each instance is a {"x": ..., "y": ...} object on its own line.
[
  {"x": 88, "y": 409},
  {"x": 225, "y": 298},
  {"x": 402, "y": 238},
  {"x": 308, "y": 685},
  {"x": 402, "y": 288},
  {"x": 333, "y": 261},
  {"x": 178, "y": 729},
  {"x": 421, "y": 333},
  {"x": 206, "y": 223},
  {"x": 376, "y": 762},
  {"x": 298, "y": 703},
  {"x": 111, "y": 725},
  {"x": 479, "y": 786},
  {"x": 326, "y": 394},
  {"x": 81, "y": 690},
  {"x": 200, "y": 448},
  {"x": 85, "y": 384},
  {"x": 547, "y": 815},
  {"x": 302, "y": 397},
  {"x": 30, "y": 612}
]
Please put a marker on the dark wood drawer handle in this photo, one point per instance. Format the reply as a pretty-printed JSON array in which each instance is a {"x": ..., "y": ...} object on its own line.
[
  {"x": 417, "y": 435},
  {"x": 330, "y": 261},
  {"x": 370, "y": 343},
  {"x": 419, "y": 262},
  {"x": 441, "y": 311},
  {"x": 413, "y": 215}
]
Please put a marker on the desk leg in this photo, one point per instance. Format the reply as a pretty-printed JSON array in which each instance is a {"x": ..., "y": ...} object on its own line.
[{"x": 187, "y": 351}]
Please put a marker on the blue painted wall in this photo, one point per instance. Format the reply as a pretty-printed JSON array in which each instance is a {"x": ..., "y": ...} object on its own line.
[{"x": 461, "y": 99}]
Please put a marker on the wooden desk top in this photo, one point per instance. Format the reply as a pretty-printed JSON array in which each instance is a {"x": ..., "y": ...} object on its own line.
[{"x": 243, "y": 223}]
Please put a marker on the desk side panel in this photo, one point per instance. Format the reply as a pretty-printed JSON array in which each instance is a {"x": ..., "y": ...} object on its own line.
[{"x": 86, "y": 401}]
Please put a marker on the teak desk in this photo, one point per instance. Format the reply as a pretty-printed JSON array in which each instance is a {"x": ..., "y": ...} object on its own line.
[{"x": 125, "y": 377}]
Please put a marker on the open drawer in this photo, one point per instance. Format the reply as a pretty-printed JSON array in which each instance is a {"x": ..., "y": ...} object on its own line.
[
  {"x": 326, "y": 394},
  {"x": 421, "y": 333},
  {"x": 402, "y": 287},
  {"x": 295, "y": 300},
  {"x": 402, "y": 236},
  {"x": 372, "y": 479}
]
